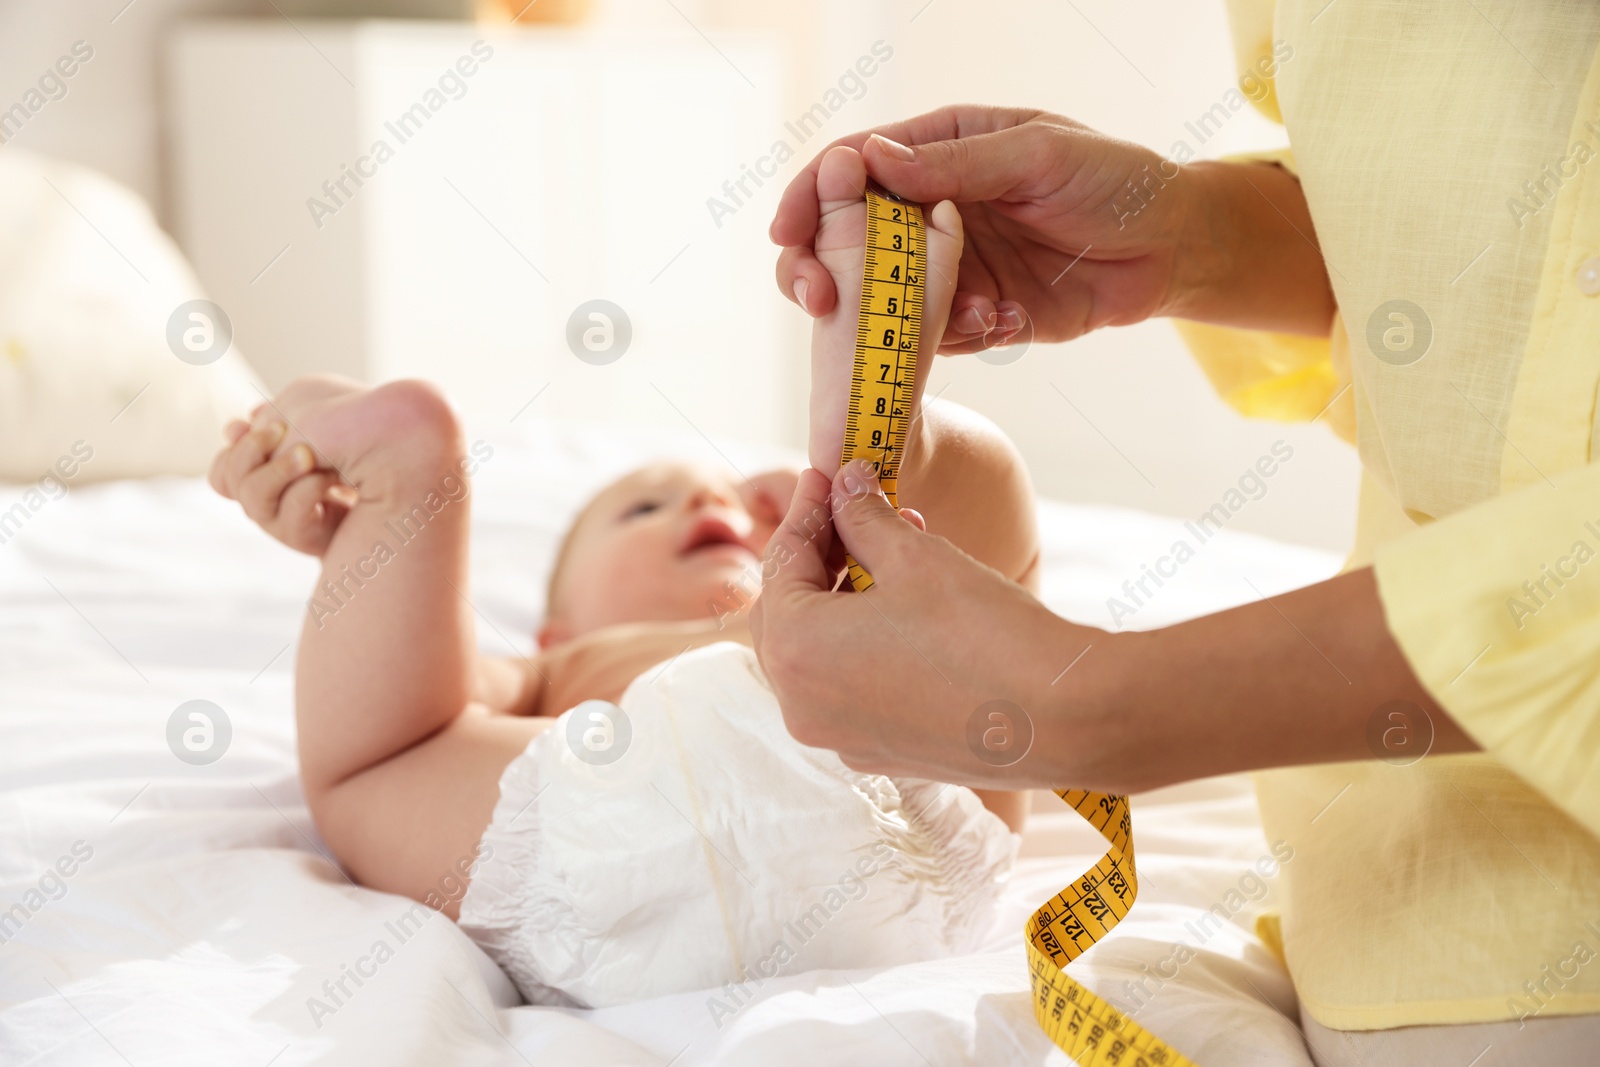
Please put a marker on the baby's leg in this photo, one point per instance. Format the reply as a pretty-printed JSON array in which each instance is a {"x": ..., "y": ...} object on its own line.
[
  {"x": 959, "y": 471},
  {"x": 971, "y": 486},
  {"x": 401, "y": 772}
]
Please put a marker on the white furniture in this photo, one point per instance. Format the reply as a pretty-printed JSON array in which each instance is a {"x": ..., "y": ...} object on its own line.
[{"x": 386, "y": 199}]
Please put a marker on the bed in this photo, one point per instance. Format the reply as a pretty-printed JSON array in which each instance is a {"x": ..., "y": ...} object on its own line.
[{"x": 177, "y": 913}]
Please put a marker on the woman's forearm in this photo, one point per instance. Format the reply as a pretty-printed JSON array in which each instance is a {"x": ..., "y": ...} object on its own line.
[
  {"x": 1248, "y": 255},
  {"x": 1287, "y": 680}
]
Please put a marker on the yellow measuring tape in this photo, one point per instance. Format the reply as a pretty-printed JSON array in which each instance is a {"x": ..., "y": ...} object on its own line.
[
  {"x": 887, "y": 333},
  {"x": 889, "y": 328},
  {"x": 1088, "y": 1029}
]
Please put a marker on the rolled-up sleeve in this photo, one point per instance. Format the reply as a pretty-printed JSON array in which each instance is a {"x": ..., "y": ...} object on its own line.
[
  {"x": 1462, "y": 362},
  {"x": 1497, "y": 609},
  {"x": 1281, "y": 377},
  {"x": 1277, "y": 376}
]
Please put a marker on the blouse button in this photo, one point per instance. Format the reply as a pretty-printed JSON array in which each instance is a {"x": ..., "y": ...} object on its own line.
[{"x": 1589, "y": 277}]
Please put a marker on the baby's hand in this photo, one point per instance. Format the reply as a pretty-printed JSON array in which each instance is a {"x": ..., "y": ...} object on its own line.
[
  {"x": 841, "y": 249},
  {"x": 274, "y": 474}
]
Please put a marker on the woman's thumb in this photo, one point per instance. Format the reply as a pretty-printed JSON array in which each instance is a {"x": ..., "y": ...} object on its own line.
[{"x": 868, "y": 526}]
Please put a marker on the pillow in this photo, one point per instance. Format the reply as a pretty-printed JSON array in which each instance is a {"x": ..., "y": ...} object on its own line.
[{"x": 96, "y": 304}]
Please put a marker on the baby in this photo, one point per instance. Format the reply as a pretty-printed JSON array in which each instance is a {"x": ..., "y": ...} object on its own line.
[{"x": 409, "y": 738}]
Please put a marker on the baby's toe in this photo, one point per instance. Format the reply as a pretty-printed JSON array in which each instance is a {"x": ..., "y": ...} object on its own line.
[
  {"x": 842, "y": 213},
  {"x": 841, "y": 179}
]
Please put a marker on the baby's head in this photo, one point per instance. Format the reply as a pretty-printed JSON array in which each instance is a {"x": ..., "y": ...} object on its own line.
[{"x": 659, "y": 544}]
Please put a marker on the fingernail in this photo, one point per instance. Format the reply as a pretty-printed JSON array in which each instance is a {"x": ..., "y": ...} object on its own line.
[
  {"x": 860, "y": 478},
  {"x": 800, "y": 288},
  {"x": 275, "y": 432},
  {"x": 301, "y": 458},
  {"x": 894, "y": 148},
  {"x": 969, "y": 321},
  {"x": 1011, "y": 319}
]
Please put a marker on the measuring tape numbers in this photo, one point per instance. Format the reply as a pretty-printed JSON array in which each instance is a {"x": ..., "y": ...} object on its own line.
[
  {"x": 882, "y": 386},
  {"x": 887, "y": 334},
  {"x": 1088, "y": 1029}
]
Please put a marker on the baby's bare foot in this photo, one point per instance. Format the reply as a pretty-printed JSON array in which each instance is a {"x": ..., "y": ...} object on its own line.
[
  {"x": 841, "y": 249},
  {"x": 361, "y": 432}
]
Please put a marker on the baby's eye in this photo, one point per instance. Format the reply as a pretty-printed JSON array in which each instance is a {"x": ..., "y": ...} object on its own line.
[{"x": 643, "y": 507}]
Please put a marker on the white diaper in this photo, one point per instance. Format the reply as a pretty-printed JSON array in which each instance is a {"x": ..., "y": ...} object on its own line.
[{"x": 717, "y": 849}]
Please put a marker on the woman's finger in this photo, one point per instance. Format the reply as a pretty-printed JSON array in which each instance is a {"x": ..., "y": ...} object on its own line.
[
  {"x": 994, "y": 339},
  {"x": 795, "y": 556},
  {"x": 807, "y": 282},
  {"x": 972, "y": 317},
  {"x": 1020, "y": 162},
  {"x": 795, "y": 222}
]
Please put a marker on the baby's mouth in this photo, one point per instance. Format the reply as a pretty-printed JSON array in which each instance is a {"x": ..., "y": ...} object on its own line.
[{"x": 713, "y": 535}]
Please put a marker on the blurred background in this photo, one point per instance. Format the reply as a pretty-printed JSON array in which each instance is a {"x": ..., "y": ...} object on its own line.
[{"x": 444, "y": 189}]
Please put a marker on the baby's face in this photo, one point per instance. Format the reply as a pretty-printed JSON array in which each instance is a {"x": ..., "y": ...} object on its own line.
[{"x": 660, "y": 544}]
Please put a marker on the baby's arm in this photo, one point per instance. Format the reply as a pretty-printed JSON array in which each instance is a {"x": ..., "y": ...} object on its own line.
[{"x": 400, "y": 765}]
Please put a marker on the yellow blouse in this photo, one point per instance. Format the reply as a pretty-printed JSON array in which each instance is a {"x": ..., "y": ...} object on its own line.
[{"x": 1450, "y": 154}]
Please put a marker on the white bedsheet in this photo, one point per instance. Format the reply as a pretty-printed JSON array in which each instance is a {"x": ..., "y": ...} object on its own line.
[{"x": 206, "y": 916}]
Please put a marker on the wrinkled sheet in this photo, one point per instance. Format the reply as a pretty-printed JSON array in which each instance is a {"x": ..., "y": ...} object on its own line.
[{"x": 202, "y": 921}]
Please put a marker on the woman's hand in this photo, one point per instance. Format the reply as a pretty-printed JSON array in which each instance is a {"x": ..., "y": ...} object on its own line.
[
  {"x": 895, "y": 678},
  {"x": 945, "y": 670},
  {"x": 1077, "y": 230}
]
